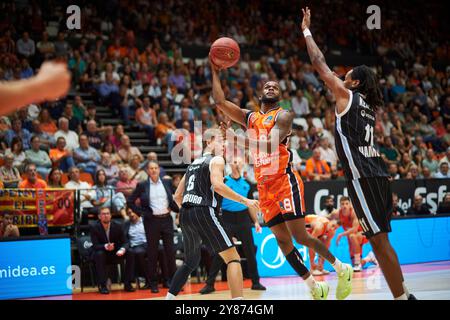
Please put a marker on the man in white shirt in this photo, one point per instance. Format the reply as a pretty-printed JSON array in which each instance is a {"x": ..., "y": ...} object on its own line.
[
  {"x": 443, "y": 171},
  {"x": 326, "y": 152},
  {"x": 70, "y": 136},
  {"x": 86, "y": 192},
  {"x": 300, "y": 104}
]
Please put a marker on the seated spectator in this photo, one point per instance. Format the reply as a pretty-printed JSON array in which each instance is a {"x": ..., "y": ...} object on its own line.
[
  {"x": 444, "y": 205},
  {"x": 17, "y": 151},
  {"x": 17, "y": 131},
  {"x": 146, "y": 119},
  {"x": 91, "y": 115},
  {"x": 106, "y": 196},
  {"x": 405, "y": 164},
  {"x": 109, "y": 148},
  {"x": 390, "y": 151},
  {"x": 46, "y": 123},
  {"x": 430, "y": 161},
  {"x": 396, "y": 211},
  {"x": 108, "y": 93},
  {"x": 185, "y": 117},
  {"x": 32, "y": 181},
  {"x": 95, "y": 140},
  {"x": 127, "y": 151},
  {"x": 135, "y": 233},
  {"x": 300, "y": 104},
  {"x": 46, "y": 140},
  {"x": 443, "y": 171},
  {"x": 164, "y": 130},
  {"x": 7, "y": 228},
  {"x": 9, "y": 174},
  {"x": 327, "y": 153},
  {"x": 393, "y": 171},
  {"x": 54, "y": 179},
  {"x": 71, "y": 137},
  {"x": 111, "y": 170},
  {"x": 86, "y": 192},
  {"x": 79, "y": 109},
  {"x": 74, "y": 123},
  {"x": 136, "y": 173},
  {"x": 125, "y": 184},
  {"x": 418, "y": 207},
  {"x": 86, "y": 157},
  {"x": 446, "y": 158},
  {"x": 304, "y": 151},
  {"x": 61, "y": 157},
  {"x": 414, "y": 173},
  {"x": 316, "y": 168},
  {"x": 426, "y": 173},
  {"x": 39, "y": 157},
  {"x": 110, "y": 246},
  {"x": 119, "y": 131}
]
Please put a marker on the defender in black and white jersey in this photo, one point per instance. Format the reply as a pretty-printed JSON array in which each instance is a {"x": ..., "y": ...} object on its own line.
[
  {"x": 357, "y": 98},
  {"x": 199, "y": 196}
]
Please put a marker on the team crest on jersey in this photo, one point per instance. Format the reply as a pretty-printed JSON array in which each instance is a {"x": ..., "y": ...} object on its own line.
[
  {"x": 281, "y": 205},
  {"x": 268, "y": 119}
]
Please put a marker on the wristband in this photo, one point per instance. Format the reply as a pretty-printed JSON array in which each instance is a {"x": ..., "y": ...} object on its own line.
[{"x": 306, "y": 33}]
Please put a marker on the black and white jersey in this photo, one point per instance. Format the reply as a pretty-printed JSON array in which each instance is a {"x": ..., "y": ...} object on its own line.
[
  {"x": 355, "y": 141},
  {"x": 198, "y": 189}
]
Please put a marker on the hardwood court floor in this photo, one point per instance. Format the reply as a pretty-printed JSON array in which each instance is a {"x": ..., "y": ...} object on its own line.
[{"x": 428, "y": 281}]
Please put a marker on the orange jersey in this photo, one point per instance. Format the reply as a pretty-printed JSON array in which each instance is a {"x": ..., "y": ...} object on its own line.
[
  {"x": 347, "y": 221},
  {"x": 259, "y": 126}
]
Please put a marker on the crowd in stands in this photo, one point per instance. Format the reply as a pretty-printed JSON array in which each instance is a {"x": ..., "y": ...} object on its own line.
[{"x": 128, "y": 56}]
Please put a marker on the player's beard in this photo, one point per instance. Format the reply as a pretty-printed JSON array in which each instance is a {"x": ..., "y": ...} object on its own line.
[{"x": 267, "y": 100}]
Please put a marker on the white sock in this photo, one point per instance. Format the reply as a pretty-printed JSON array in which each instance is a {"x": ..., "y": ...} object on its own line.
[
  {"x": 238, "y": 298},
  {"x": 311, "y": 282},
  {"x": 337, "y": 265},
  {"x": 170, "y": 296},
  {"x": 405, "y": 289},
  {"x": 402, "y": 297},
  {"x": 357, "y": 259}
]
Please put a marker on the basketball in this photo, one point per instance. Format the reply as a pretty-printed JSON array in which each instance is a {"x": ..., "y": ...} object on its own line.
[{"x": 225, "y": 52}]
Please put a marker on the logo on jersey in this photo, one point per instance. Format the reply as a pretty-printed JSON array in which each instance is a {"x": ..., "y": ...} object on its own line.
[
  {"x": 268, "y": 120},
  {"x": 364, "y": 114}
]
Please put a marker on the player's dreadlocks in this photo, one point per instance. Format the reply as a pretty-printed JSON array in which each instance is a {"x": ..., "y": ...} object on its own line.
[{"x": 368, "y": 85}]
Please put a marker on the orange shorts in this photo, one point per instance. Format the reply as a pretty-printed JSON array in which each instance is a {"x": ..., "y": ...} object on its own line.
[{"x": 281, "y": 198}]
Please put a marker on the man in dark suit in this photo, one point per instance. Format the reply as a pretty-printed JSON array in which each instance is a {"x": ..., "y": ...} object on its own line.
[
  {"x": 109, "y": 247},
  {"x": 156, "y": 203}
]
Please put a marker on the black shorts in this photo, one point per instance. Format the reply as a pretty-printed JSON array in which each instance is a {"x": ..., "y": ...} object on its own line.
[
  {"x": 203, "y": 224},
  {"x": 372, "y": 202}
]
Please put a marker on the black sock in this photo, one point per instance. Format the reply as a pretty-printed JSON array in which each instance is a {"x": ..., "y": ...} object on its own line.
[{"x": 296, "y": 261}]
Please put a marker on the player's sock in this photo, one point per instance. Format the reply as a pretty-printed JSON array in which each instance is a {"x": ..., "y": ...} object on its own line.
[
  {"x": 296, "y": 261},
  {"x": 402, "y": 297},
  {"x": 238, "y": 298},
  {"x": 337, "y": 265},
  {"x": 357, "y": 259},
  {"x": 405, "y": 289},
  {"x": 170, "y": 296},
  {"x": 311, "y": 282}
]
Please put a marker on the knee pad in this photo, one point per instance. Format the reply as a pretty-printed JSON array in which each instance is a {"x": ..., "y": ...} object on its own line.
[{"x": 235, "y": 261}]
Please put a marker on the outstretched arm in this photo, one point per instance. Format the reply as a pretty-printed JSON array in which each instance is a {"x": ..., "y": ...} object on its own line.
[
  {"x": 230, "y": 109},
  {"x": 335, "y": 84},
  {"x": 51, "y": 82}
]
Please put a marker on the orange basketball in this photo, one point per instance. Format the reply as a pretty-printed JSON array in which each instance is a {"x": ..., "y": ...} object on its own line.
[{"x": 225, "y": 52}]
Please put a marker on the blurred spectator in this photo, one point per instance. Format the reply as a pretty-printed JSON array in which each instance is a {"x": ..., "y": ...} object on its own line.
[
  {"x": 126, "y": 151},
  {"x": 418, "y": 207},
  {"x": 117, "y": 137},
  {"x": 61, "y": 157},
  {"x": 9, "y": 174},
  {"x": 95, "y": 140},
  {"x": 54, "y": 178},
  {"x": 39, "y": 157},
  {"x": 327, "y": 153},
  {"x": 405, "y": 164},
  {"x": 164, "y": 129},
  {"x": 389, "y": 150},
  {"x": 414, "y": 173},
  {"x": 304, "y": 151},
  {"x": 7, "y": 227},
  {"x": 32, "y": 181},
  {"x": 108, "y": 147},
  {"x": 17, "y": 151},
  {"x": 300, "y": 104},
  {"x": 430, "y": 161},
  {"x": 45, "y": 47},
  {"x": 396, "y": 211},
  {"x": 46, "y": 140},
  {"x": 17, "y": 131},
  {"x": 74, "y": 123},
  {"x": 393, "y": 171},
  {"x": 111, "y": 170},
  {"x": 125, "y": 184},
  {"x": 329, "y": 207},
  {"x": 26, "y": 46},
  {"x": 106, "y": 195},
  {"x": 146, "y": 119},
  {"x": 446, "y": 158},
  {"x": 426, "y": 173},
  {"x": 136, "y": 173},
  {"x": 86, "y": 157},
  {"x": 79, "y": 109},
  {"x": 61, "y": 45},
  {"x": 444, "y": 205},
  {"x": 316, "y": 168},
  {"x": 443, "y": 171},
  {"x": 71, "y": 137},
  {"x": 46, "y": 123},
  {"x": 86, "y": 192}
]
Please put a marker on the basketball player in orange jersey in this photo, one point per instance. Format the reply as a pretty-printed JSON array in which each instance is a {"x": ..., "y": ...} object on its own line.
[
  {"x": 357, "y": 99},
  {"x": 51, "y": 82},
  {"x": 323, "y": 229},
  {"x": 280, "y": 187},
  {"x": 354, "y": 234}
]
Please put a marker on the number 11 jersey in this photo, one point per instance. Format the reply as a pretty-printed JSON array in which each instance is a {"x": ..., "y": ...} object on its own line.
[{"x": 355, "y": 141}]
